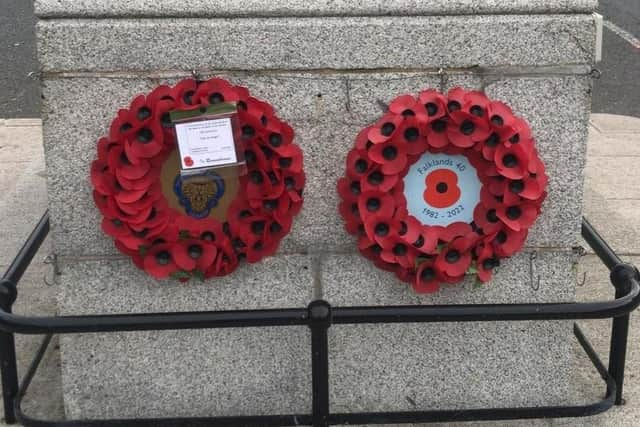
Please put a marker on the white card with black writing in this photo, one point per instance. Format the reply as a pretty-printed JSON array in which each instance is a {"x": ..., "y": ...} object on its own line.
[{"x": 206, "y": 143}]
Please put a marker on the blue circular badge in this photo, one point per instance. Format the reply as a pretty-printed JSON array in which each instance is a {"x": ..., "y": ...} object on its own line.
[{"x": 442, "y": 189}]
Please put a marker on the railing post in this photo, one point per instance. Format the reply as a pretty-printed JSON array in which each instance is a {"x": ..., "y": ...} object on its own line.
[
  {"x": 319, "y": 322},
  {"x": 8, "y": 367},
  {"x": 621, "y": 276}
]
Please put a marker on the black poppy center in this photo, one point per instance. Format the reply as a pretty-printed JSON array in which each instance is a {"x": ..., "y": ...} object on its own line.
[
  {"x": 490, "y": 263},
  {"x": 216, "y": 98},
  {"x": 411, "y": 134},
  {"x": 516, "y": 186},
  {"x": 492, "y": 216},
  {"x": 477, "y": 110},
  {"x": 497, "y": 120},
  {"x": 452, "y": 256},
  {"x": 248, "y": 131},
  {"x": 257, "y": 227},
  {"x": 387, "y": 128},
  {"x": 442, "y": 187},
  {"x": 513, "y": 212},
  {"x": 163, "y": 258},
  {"x": 453, "y": 106},
  {"x": 427, "y": 274},
  {"x": 419, "y": 242},
  {"x": 355, "y": 188},
  {"x": 285, "y": 162},
  {"x": 400, "y": 249},
  {"x": 389, "y": 153},
  {"x": 515, "y": 138},
  {"x": 510, "y": 161},
  {"x": 376, "y": 178},
  {"x": 144, "y": 113},
  {"x": 501, "y": 237},
  {"x": 125, "y": 127},
  {"x": 439, "y": 126},
  {"x": 256, "y": 177},
  {"x": 145, "y": 135},
  {"x": 208, "y": 236},
  {"x": 275, "y": 139},
  {"x": 270, "y": 204},
  {"x": 467, "y": 127},
  {"x": 432, "y": 108},
  {"x": 373, "y": 204},
  {"x": 275, "y": 227},
  {"x": 244, "y": 213},
  {"x": 124, "y": 159},
  {"x": 361, "y": 166},
  {"x": 408, "y": 113},
  {"x": 250, "y": 156},
  {"x": 493, "y": 140},
  {"x": 195, "y": 251},
  {"x": 188, "y": 97},
  {"x": 382, "y": 229},
  {"x": 289, "y": 182}
]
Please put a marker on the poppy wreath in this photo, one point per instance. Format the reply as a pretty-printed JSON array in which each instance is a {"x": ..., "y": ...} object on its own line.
[
  {"x": 512, "y": 179},
  {"x": 166, "y": 243}
]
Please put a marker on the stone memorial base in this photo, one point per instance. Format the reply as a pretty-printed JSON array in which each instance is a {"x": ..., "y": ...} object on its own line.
[{"x": 324, "y": 72}]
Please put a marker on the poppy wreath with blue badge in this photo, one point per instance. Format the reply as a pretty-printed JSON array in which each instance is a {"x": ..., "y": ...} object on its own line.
[
  {"x": 442, "y": 186},
  {"x": 167, "y": 243}
]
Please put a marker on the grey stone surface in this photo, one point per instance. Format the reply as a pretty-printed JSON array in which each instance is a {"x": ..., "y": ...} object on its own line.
[
  {"x": 189, "y": 372},
  {"x": 426, "y": 366},
  {"x": 325, "y": 127},
  {"x": 315, "y": 43},
  {"x": 213, "y": 8}
]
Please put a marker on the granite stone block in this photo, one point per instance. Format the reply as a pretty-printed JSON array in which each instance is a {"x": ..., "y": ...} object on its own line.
[
  {"x": 186, "y": 372},
  {"x": 315, "y": 43},
  {"x": 216, "y": 8},
  {"x": 449, "y": 366}
]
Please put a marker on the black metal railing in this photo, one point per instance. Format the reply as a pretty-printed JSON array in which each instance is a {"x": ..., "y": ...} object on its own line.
[{"x": 319, "y": 316}]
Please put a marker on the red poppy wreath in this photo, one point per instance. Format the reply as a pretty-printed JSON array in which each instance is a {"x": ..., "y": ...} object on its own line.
[
  {"x": 165, "y": 242},
  {"x": 442, "y": 186}
]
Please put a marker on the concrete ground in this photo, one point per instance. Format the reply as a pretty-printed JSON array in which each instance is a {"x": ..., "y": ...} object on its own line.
[{"x": 612, "y": 203}]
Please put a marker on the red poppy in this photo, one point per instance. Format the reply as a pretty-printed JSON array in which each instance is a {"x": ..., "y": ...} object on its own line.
[
  {"x": 215, "y": 91},
  {"x": 384, "y": 128},
  {"x": 392, "y": 156},
  {"x": 456, "y": 99},
  {"x": 426, "y": 280},
  {"x": 411, "y": 134},
  {"x": 486, "y": 219},
  {"x": 512, "y": 162},
  {"x": 159, "y": 261},
  {"x": 193, "y": 254},
  {"x": 455, "y": 259},
  {"x": 289, "y": 158},
  {"x": 518, "y": 217},
  {"x": 357, "y": 166},
  {"x": 408, "y": 106},
  {"x": 486, "y": 262},
  {"x": 465, "y": 129},
  {"x": 434, "y": 103},
  {"x": 375, "y": 179},
  {"x": 441, "y": 188},
  {"x": 376, "y": 203},
  {"x": 476, "y": 103}
]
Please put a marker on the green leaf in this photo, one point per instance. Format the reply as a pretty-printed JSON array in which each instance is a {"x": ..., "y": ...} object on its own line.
[
  {"x": 478, "y": 284},
  {"x": 180, "y": 274},
  {"x": 420, "y": 260},
  {"x": 472, "y": 269},
  {"x": 198, "y": 275}
]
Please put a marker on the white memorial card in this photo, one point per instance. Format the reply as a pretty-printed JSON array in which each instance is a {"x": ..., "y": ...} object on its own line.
[{"x": 206, "y": 143}]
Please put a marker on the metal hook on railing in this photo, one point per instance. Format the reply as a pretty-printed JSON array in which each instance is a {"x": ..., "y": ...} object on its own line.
[
  {"x": 50, "y": 260},
  {"x": 595, "y": 73},
  {"x": 584, "y": 280},
  {"x": 382, "y": 105},
  {"x": 535, "y": 284},
  {"x": 444, "y": 79}
]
